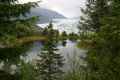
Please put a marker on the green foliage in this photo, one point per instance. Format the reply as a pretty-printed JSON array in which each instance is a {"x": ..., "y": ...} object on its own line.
[
  {"x": 104, "y": 57},
  {"x": 49, "y": 66},
  {"x": 12, "y": 55},
  {"x": 6, "y": 76},
  {"x": 46, "y": 32},
  {"x": 27, "y": 72},
  {"x": 12, "y": 25},
  {"x": 90, "y": 21},
  {"x": 63, "y": 36},
  {"x": 73, "y": 37},
  {"x": 76, "y": 68}
]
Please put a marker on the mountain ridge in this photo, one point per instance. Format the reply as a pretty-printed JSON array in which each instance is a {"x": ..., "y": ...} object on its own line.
[{"x": 45, "y": 15}]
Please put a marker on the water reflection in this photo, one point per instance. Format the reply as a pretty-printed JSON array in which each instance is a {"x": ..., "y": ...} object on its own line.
[{"x": 69, "y": 49}]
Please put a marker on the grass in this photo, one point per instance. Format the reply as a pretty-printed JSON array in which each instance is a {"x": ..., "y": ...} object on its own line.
[
  {"x": 30, "y": 39},
  {"x": 85, "y": 44},
  {"x": 25, "y": 40},
  {"x": 76, "y": 69}
]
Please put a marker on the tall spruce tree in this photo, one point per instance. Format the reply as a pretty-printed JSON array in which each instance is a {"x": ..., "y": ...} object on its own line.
[
  {"x": 50, "y": 63},
  {"x": 90, "y": 20},
  {"x": 104, "y": 58}
]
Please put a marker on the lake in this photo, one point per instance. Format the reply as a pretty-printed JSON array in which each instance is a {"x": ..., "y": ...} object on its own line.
[{"x": 68, "y": 25}]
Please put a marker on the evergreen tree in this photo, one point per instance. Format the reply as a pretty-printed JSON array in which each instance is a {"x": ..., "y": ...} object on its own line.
[
  {"x": 50, "y": 63},
  {"x": 104, "y": 58},
  {"x": 90, "y": 20},
  {"x": 12, "y": 25},
  {"x": 73, "y": 36},
  {"x": 64, "y": 36}
]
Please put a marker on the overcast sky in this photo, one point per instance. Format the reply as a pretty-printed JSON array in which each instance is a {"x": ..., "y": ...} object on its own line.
[{"x": 68, "y": 8}]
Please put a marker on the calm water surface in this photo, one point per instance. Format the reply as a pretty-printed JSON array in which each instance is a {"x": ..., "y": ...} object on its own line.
[
  {"x": 68, "y": 25},
  {"x": 69, "y": 50}
]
